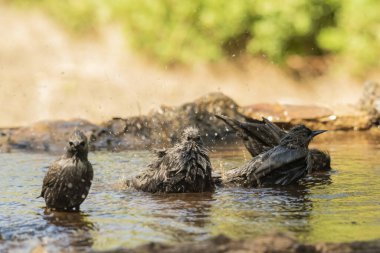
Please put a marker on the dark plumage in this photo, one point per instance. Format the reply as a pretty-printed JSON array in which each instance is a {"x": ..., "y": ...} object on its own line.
[
  {"x": 183, "y": 168},
  {"x": 284, "y": 164},
  {"x": 68, "y": 180},
  {"x": 260, "y": 136}
]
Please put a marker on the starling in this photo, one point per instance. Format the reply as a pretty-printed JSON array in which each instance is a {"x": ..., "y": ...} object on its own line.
[
  {"x": 283, "y": 164},
  {"x": 68, "y": 180},
  {"x": 185, "y": 167},
  {"x": 260, "y": 136}
]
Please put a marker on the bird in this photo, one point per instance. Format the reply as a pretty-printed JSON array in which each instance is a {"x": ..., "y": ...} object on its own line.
[
  {"x": 68, "y": 179},
  {"x": 261, "y": 135},
  {"x": 183, "y": 168},
  {"x": 284, "y": 164}
]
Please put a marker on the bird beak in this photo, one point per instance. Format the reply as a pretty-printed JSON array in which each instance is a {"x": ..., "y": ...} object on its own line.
[{"x": 316, "y": 132}]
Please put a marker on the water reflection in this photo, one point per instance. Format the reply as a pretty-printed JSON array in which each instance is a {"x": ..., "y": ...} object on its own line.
[
  {"x": 70, "y": 220},
  {"x": 183, "y": 211},
  {"x": 318, "y": 178},
  {"x": 75, "y": 225},
  {"x": 265, "y": 209}
]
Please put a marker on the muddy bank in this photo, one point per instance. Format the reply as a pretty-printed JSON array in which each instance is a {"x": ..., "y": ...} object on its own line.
[
  {"x": 274, "y": 243},
  {"x": 161, "y": 127}
]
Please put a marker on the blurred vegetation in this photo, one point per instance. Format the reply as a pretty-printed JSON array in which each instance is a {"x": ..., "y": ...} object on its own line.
[{"x": 209, "y": 30}]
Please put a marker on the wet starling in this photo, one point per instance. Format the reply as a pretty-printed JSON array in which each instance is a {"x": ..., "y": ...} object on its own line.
[
  {"x": 284, "y": 164},
  {"x": 183, "y": 168},
  {"x": 260, "y": 136},
  {"x": 68, "y": 180}
]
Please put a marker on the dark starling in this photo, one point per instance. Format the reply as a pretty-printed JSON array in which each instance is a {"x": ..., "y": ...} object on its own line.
[
  {"x": 260, "y": 136},
  {"x": 185, "y": 167},
  {"x": 284, "y": 164},
  {"x": 68, "y": 180}
]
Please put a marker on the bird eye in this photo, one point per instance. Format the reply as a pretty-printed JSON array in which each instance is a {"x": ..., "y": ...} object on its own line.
[
  {"x": 71, "y": 143},
  {"x": 82, "y": 144},
  {"x": 188, "y": 138}
]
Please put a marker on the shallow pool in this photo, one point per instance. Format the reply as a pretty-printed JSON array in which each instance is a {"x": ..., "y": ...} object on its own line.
[{"x": 341, "y": 205}]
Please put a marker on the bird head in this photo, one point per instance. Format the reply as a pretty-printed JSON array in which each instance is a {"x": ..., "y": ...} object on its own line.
[
  {"x": 78, "y": 144},
  {"x": 300, "y": 136},
  {"x": 191, "y": 136}
]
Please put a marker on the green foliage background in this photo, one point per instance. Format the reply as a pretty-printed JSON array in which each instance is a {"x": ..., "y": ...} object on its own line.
[{"x": 209, "y": 30}]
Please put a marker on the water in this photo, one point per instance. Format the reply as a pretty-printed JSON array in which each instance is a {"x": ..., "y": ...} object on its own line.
[{"x": 341, "y": 205}]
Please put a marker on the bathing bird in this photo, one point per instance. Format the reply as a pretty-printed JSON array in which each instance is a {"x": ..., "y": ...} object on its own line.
[
  {"x": 261, "y": 135},
  {"x": 283, "y": 164},
  {"x": 68, "y": 180},
  {"x": 185, "y": 167}
]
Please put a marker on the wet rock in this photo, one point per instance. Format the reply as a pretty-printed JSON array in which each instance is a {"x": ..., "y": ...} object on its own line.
[
  {"x": 315, "y": 117},
  {"x": 49, "y": 135},
  {"x": 370, "y": 101},
  {"x": 286, "y": 113},
  {"x": 5, "y": 141},
  {"x": 274, "y": 243},
  {"x": 163, "y": 126},
  {"x": 159, "y": 128}
]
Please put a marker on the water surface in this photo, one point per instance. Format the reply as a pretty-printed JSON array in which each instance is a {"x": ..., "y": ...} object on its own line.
[{"x": 341, "y": 205}]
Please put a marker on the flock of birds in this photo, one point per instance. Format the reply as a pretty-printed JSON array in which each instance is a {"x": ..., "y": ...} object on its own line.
[{"x": 279, "y": 157}]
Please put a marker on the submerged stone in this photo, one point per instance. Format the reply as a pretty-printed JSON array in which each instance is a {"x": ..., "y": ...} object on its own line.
[{"x": 276, "y": 243}]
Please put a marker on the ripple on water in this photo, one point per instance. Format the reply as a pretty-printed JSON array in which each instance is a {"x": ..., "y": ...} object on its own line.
[{"x": 340, "y": 205}]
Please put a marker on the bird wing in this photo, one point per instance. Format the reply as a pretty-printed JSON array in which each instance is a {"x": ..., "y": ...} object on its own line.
[
  {"x": 51, "y": 176},
  {"x": 277, "y": 132},
  {"x": 160, "y": 152},
  {"x": 152, "y": 178},
  {"x": 258, "y": 136},
  {"x": 284, "y": 166},
  {"x": 253, "y": 145}
]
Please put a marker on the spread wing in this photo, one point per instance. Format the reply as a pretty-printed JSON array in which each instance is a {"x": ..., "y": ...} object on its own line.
[
  {"x": 258, "y": 136},
  {"x": 284, "y": 166}
]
